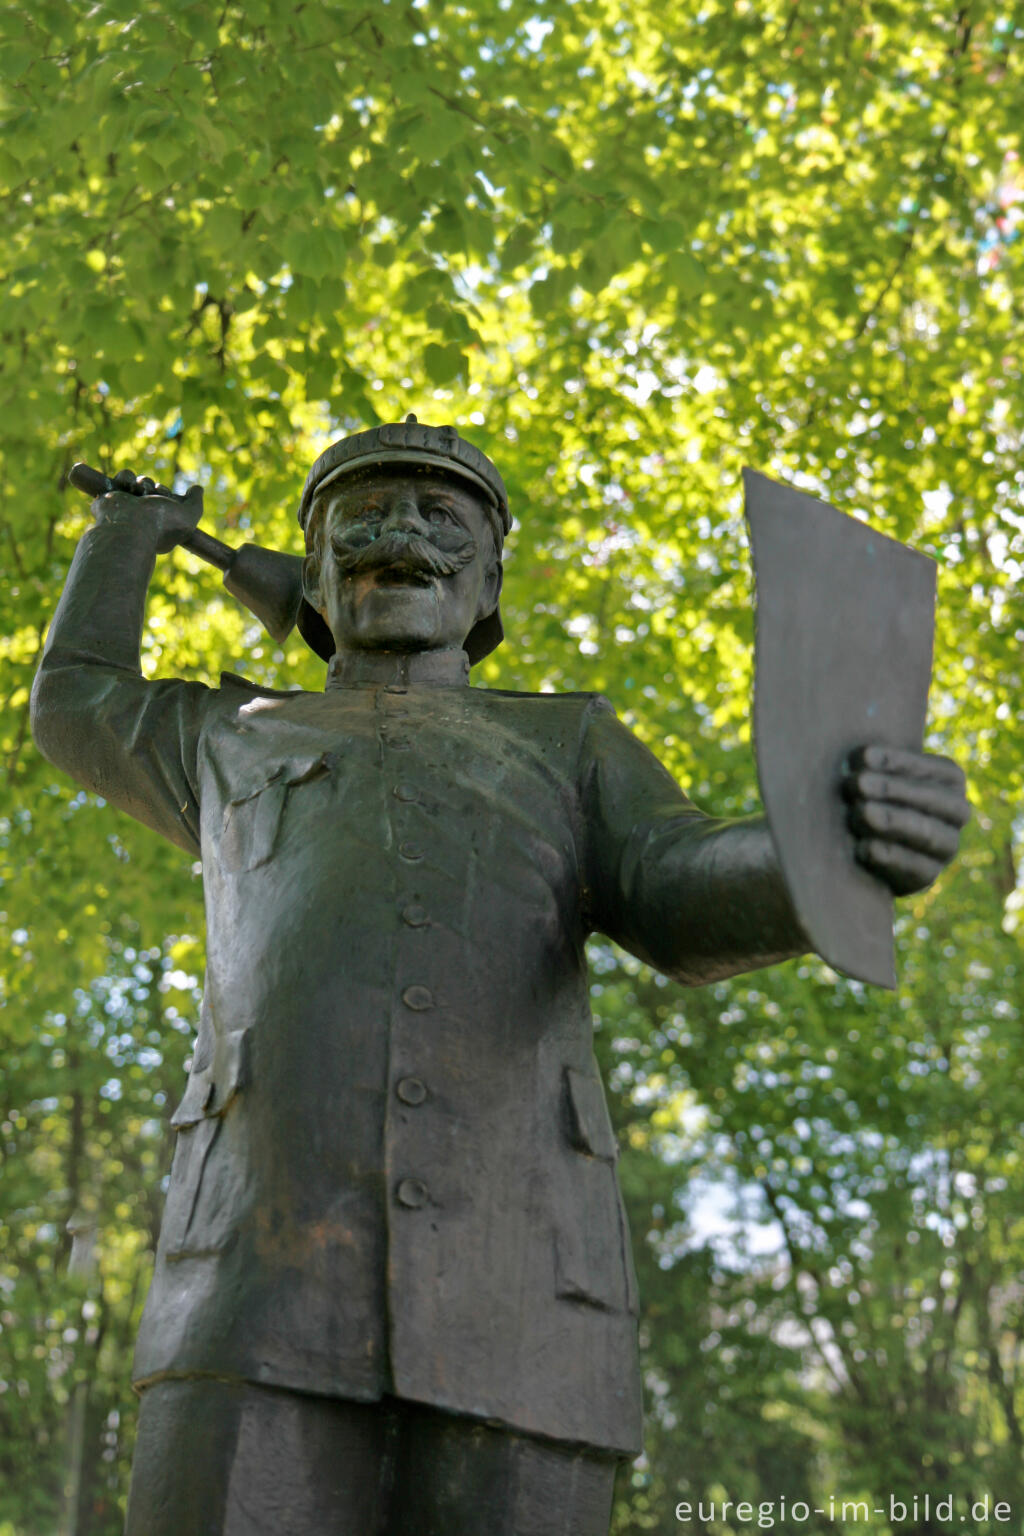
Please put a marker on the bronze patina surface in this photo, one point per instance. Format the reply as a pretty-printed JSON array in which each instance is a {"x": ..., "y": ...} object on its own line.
[{"x": 393, "y": 1243}]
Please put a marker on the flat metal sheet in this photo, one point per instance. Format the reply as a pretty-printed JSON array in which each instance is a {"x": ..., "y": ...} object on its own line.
[{"x": 845, "y": 621}]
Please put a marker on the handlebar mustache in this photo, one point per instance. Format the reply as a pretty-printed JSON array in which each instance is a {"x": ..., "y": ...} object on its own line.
[{"x": 400, "y": 551}]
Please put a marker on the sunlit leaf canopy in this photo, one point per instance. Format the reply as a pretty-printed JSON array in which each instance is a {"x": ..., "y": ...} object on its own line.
[{"x": 626, "y": 249}]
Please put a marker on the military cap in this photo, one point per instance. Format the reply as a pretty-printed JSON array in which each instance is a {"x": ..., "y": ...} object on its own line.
[{"x": 405, "y": 442}]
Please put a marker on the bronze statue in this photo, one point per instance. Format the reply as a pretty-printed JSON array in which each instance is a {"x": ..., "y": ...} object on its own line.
[{"x": 394, "y": 1290}]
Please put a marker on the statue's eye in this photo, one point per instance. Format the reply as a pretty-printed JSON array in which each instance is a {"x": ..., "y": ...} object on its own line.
[
  {"x": 436, "y": 513},
  {"x": 355, "y": 512}
]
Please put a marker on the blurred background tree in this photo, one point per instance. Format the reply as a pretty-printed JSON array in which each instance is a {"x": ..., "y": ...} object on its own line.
[{"x": 626, "y": 248}]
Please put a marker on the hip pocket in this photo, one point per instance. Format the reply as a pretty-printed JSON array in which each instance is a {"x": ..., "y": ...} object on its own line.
[
  {"x": 593, "y": 1262},
  {"x": 207, "y": 1194}
]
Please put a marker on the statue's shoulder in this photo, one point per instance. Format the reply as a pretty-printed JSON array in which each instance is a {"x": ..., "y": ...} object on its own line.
[
  {"x": 233, "y": 687},
  {"x": 556, "y": 723},
  {"x": 238, "y": 700},
  {"x": 548, "y": 700},
  {"x": 562, "y": 704}
]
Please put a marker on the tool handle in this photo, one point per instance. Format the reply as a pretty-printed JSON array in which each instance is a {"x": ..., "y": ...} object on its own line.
[
  {"x": 93, "y": 482},
  {"x": 212, "y": 550}
]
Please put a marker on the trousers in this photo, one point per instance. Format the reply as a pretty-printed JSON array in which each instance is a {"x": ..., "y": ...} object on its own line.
[{"x": 217, "y": 1458}]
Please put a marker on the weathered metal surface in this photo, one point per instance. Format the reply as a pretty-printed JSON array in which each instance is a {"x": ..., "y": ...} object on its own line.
[
  {"x": 216, "y": 1457},
  {"x": 395, "y": 1175}
]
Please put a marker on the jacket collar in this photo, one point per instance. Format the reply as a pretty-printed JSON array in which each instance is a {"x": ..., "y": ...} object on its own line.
[{"x": 398, "y": 669}]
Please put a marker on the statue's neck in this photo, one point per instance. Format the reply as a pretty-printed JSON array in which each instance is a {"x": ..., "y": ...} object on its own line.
[{"x": 398, "y": 669}]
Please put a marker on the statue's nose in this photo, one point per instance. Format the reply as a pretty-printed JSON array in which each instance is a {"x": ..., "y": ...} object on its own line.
[{"x": 405, "y": 517}]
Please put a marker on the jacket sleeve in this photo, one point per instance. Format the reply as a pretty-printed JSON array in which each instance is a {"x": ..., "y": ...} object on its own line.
[
  {"x": 698, "y": 897},
  {"x": 93, "y": 713}
]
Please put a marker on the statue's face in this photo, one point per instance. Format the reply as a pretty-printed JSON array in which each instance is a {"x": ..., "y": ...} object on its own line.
[{"x": 404, "y": 560}]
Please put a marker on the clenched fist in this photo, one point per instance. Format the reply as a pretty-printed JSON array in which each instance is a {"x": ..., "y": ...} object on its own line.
[{"x": 176, "y": 516}]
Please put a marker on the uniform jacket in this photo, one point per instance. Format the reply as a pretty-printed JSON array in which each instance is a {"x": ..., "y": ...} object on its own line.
[{"x": 394, "y": 1167}]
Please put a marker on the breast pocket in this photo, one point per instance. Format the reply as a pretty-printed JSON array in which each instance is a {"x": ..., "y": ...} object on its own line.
[
  {"x": 252, "y": 821},
  {"x": 593, "y": 1258}
]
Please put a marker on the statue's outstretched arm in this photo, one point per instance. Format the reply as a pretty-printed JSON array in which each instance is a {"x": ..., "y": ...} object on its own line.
[{"x": 701, "y": 897}]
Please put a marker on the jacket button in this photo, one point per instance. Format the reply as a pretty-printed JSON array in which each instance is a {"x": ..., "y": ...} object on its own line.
[
  {"x": 410, "y": 851},
  {"x": 415, "y": 915},
  {"x": 407, "y": 793},
  {"x": 412, "y": 1193},
  {"x": 411, "y": 1091},
  {"x": 418, "y": 998}
]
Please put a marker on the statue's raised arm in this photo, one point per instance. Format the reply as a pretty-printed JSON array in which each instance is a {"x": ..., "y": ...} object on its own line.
[{"x": 93, "y": 713}]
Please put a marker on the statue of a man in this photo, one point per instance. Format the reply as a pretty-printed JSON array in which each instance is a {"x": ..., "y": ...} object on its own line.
[{"x": 394, "y": 1290}]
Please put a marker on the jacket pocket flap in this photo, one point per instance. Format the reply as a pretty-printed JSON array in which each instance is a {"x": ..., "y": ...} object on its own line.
[
  {"x": 299, "y": 770},
  {"x": 230, "y": 1068},
  {"x": 590, "y": 1129},
  {"x": 211, "y": 1089},
  {"x": 198, "y": 1093}
]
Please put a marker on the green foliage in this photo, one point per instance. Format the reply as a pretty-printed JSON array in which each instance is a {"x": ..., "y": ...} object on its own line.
[{"x": 626, "y": 248}]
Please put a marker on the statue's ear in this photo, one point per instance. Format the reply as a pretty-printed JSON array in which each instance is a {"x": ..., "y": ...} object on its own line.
[{"x": 311, "y": 582}]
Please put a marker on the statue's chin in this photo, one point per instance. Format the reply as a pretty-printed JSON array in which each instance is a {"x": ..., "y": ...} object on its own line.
[{"x": 394, "y": 616}]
